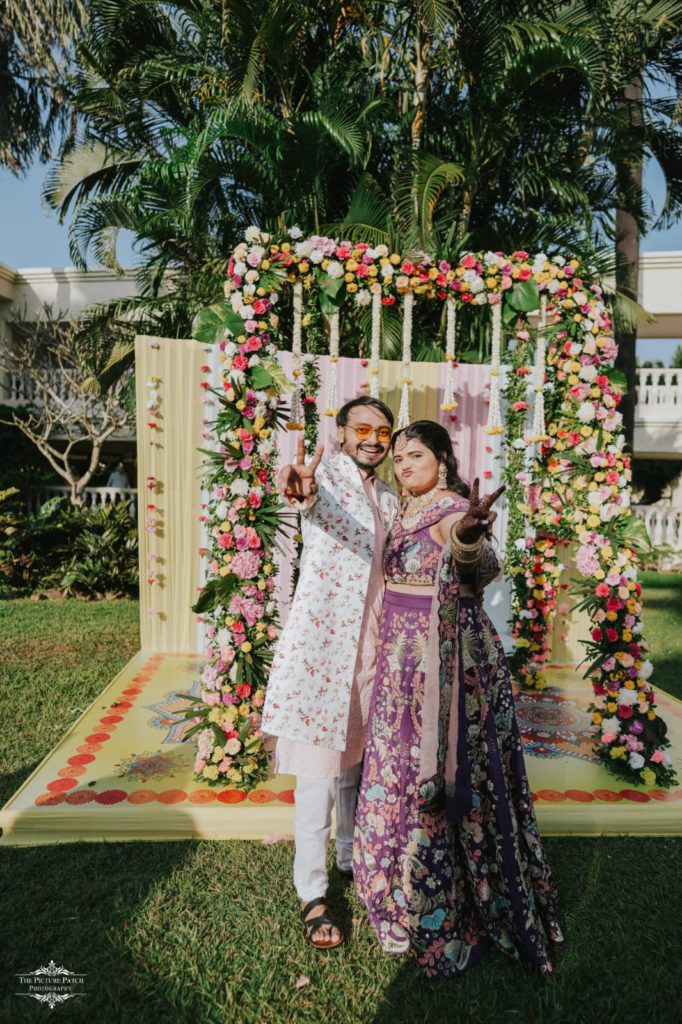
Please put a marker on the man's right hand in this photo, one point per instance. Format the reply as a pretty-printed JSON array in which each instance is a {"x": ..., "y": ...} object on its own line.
[{"x": 297, "y": 481}]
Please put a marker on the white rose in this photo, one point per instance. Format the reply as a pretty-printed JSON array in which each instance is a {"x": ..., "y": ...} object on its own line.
[
  {"x": 387, "y": 270},
  {"x": 239, "y": 486},
  {"x": 254, "y": 360},
  {"x": 636, "y": 760},
  {"x": 295, "y": 232},
  {"x": 303, "y": 249},
  {"x": 221, "y": 509},
  {"x": 335, "y": 270},
  {"x": 249, "y": 289},
  {"x": 363, "y": 297},
  {"x": 252, "y": 276},
  {"x": 233, "y": 746},
  {"x": 316, "y": 256},
  {"x": 240, "y": 267},
  {"x": 586, "y": 412},
  {"x": 627, "y": 697},
  {"x": 580, "y": 298},
  {"x": 381, "y": 251},
  {"x": 252, "y": 234},
  {"x": 588, "y": 372},
  {"x": 646, "y": 669},
  {"x": 611, "y": 725}
]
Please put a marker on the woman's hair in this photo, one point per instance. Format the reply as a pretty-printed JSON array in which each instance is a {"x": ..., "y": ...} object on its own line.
[{"x": 436, "y": 439}]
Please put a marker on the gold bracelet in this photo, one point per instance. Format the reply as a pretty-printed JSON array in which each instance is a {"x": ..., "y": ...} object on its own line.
[{"x": 461, "y": 544}]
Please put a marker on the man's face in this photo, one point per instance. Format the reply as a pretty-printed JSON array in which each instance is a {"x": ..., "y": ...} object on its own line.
[{"x": 368, "y": 451}]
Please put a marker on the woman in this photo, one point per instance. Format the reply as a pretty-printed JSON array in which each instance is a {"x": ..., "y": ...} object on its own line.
[{"x": 447, "y": 858}]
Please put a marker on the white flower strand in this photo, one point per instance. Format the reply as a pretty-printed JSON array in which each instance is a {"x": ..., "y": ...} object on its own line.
[
  {"x": 296, "y": 418},
  {"x": 332, "y": 396},
  {"x": 494, "y": 409},
  {"x": 376, "y": 342},
  {"x": 449, "y": 403},
  {"x": 539, "y": 429},
  {"x": 406, "y": 378}
]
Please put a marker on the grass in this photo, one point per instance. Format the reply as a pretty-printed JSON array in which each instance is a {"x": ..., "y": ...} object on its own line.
[{"x": 209, "y": 932}]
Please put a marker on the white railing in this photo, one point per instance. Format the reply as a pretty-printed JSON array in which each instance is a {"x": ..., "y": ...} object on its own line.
[
  {"x": 663, "y": 523},
  {"x": 92, "y": 497},
  {"x": 21, "y": 390},
  {"x": 659, "y": 394}
]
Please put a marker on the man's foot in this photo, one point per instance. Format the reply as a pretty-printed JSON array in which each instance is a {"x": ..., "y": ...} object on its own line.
[{"x": 320, "y": 929}]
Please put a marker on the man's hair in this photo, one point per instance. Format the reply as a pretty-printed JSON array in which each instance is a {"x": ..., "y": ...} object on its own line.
[{"x": 342, "y": 414}]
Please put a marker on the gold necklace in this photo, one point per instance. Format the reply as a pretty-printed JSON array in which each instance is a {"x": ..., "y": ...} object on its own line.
[{"x": 415, "y": 503}]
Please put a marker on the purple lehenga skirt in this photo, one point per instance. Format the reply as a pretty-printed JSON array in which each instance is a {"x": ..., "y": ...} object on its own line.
[{"x": 447, "y": 883}]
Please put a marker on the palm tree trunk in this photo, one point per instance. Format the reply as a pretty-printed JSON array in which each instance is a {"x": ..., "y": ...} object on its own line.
[{"x": 629, "y": 177}]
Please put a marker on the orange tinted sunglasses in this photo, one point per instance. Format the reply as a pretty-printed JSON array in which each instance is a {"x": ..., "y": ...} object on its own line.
[{"x": 365, "y": 430}]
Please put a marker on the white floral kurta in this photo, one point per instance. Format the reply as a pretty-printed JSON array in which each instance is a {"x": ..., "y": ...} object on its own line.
[{"x": 309, "y": 691}]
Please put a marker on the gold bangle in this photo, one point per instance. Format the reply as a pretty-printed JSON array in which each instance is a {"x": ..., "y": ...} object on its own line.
[{"x": 461, "y": 544}]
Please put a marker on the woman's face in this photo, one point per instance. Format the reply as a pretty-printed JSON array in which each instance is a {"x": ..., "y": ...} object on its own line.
[{"x": 415, "y": 466}]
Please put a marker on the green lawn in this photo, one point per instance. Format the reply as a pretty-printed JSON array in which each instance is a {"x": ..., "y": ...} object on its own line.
[{"x": 209, "y": 932}]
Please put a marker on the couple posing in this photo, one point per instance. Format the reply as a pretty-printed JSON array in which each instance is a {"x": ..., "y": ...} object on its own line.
[{"x": 387, "y": 651}]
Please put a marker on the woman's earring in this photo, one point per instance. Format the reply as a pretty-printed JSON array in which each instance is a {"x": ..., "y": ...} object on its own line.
[{"x": 442, "y": 477}]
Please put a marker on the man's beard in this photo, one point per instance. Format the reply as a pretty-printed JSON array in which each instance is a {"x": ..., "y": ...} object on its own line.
[{"x": 359, "y": 457}]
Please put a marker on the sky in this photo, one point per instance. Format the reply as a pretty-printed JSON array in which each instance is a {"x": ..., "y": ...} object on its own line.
[{"x": 31, "y": 236}]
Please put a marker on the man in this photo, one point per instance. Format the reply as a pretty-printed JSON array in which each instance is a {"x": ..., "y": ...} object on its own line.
[{"x": 318, "y": 694}]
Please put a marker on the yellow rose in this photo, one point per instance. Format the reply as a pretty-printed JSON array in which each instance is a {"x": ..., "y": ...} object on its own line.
[
  {"x": 218, "y": 753},
  {"x": 210, "y": 771},
  {"x": 647, "y": 776},
  {"x": 617, "y": 752},
  {"x": 241, "y": 404},
  {"x": 247, "y": 647}
]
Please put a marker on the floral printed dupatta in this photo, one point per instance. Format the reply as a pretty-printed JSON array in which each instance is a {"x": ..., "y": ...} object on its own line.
[{"x": 478, "y": 875}]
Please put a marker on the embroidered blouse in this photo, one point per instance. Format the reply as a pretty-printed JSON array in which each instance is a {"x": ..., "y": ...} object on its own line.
[{"x": 412, "y": 555}]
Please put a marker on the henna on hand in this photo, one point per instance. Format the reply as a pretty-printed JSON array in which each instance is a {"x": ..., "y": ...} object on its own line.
[{"x": 478, "y": 519}]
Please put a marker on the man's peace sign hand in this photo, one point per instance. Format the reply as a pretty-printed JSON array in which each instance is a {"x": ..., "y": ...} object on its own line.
[
  {"x": 297, "y": 481},
  {"x": 479, "y": 518}
]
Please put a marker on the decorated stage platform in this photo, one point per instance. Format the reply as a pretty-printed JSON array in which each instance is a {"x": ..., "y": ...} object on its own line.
[{"x": 122, "y": 771}]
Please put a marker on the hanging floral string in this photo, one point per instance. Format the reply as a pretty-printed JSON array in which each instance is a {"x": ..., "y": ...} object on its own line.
[
  {"x": 494, "y": 409},
  {"x": 406, "y": 378},
  {"x": 449, "y": 403},
  {"x": 332, "y": 391},
  {"x": 376, "y": 342},
  {"x": 539, "y": 429},
  {"x": 296, "y": 420}
]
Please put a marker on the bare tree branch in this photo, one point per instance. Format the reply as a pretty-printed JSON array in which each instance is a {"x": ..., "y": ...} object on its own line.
[{"x": 60, "y": 414}]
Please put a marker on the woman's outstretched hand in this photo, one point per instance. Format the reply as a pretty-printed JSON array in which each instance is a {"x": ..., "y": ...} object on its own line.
[
  {"x": 476, "y": 522},
  {"x": 297, "y": 480}
]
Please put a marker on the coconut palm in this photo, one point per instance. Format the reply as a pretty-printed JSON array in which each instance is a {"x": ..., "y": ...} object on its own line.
[{"x": 36, "y": 41}]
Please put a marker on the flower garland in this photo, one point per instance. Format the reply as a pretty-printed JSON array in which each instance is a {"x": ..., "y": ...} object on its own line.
[{"x": 581, "y": 475}]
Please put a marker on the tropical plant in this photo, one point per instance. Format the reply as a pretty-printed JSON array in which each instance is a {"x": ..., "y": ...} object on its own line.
[{"x": 36, "y": 41}]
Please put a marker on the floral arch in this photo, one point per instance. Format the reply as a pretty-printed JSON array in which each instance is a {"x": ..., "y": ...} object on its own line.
[{"x": 567, "y": 475}]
